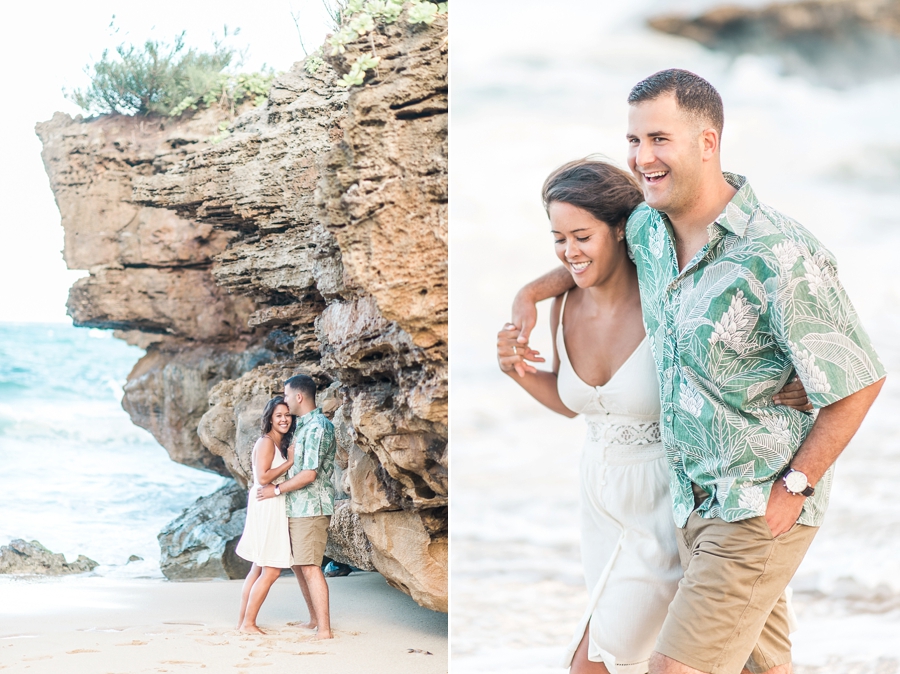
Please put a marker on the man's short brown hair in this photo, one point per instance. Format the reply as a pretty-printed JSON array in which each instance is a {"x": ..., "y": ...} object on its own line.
[{"x": 694, "y": 95}]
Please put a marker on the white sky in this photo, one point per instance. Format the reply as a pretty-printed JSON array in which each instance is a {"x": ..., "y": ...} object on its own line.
[{"x": 44, "y": 47}]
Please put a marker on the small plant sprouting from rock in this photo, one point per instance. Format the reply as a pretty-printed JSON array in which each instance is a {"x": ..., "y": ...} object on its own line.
[
  {"x": 426, "y": 12},
  {"x": 168, "y": 79},
  {"x": 358, "y": 70},
  {"x": 222, "y": 135},
  {"x": 313, "y": 63},
  {"x": 360, "y": 17}
]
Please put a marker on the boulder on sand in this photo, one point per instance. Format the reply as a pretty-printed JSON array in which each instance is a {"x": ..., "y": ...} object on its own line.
[
  {"x": 22, "y": 557},
  {"x": 199, "y": 543}
]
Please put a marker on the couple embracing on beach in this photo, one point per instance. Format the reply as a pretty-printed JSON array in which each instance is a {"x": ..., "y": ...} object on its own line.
[
  {"x": 683, "y": 312},
  {"x": 290, "y": 504}
]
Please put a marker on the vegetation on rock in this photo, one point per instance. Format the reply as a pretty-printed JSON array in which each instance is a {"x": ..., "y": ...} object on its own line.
[
  {"x": 168, "y": 79},
  {"x": 360, "y": 17}
]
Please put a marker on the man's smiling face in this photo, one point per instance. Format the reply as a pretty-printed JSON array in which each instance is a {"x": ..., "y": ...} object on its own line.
[{"x": 665, "y": 154}]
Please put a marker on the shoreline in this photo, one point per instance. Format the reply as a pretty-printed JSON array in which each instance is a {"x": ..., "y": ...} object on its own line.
[{"x": 100, "y": 625}]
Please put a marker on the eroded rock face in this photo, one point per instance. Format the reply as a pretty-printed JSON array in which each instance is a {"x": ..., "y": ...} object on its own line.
[
  {"x": 347, "y": 542},
  {"x": 168, "y": 392},
  {"x": 409, "y": 556},
  {"x": 388, "y": 177},
  {"x": 22, "y": 557},
  {"x": 200, "y": 543},
  {"x": 311, "y": 238}
]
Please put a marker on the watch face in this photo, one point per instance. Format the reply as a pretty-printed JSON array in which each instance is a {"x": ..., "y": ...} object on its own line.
[{"x": 795, "y": 481}]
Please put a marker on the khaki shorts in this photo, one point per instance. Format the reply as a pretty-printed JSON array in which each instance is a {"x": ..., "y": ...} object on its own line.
[
  {"x": 308, "y": 538},
  {"x": 730, "y": 611}
]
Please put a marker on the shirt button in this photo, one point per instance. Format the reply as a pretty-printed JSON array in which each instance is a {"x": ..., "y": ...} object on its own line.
[
  {"x": 669, "y": 418},
  {"x": 669, "y": 331}
]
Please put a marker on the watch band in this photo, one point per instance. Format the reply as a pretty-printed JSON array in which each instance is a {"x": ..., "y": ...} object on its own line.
[{"x": 277, "y": 490}]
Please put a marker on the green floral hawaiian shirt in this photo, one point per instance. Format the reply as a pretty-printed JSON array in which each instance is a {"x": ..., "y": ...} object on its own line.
[
  {"x": 314, "y": 449},
  {"x": 760, "y": 301}
]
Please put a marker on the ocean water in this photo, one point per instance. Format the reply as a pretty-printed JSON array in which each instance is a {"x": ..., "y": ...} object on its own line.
[
  {"x": 75, "y": 473},
  {"x": 533, "y": 87}
]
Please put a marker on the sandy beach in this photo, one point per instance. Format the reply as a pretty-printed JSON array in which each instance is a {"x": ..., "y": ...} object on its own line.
[{"x": 99, "y": 625}]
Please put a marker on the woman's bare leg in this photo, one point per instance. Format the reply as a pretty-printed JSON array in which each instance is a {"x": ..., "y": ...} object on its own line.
[
  {"x": 580, "y": 662},
  {"x": 245, "y": 591},
  {"x": 258, "y": 594}
]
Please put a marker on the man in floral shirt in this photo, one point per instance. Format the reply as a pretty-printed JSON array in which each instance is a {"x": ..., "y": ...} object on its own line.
[
  {"x": 309, "y": 497},
  {"x": 736, "y": 297}
]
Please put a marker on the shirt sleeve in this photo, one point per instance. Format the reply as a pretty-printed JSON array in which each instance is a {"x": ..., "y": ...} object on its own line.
[
  {"x": 312, "y": 446},
  {"x": 635, "y": 227},
  {"x": 815, "y": 324}
]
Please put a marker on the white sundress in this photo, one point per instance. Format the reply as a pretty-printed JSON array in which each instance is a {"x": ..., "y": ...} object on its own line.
[
  {"x": 266, "y": 540},
  {"x": 628, "y": 546}
]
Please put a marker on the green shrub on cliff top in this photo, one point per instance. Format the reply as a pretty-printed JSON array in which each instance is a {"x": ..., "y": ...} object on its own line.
[{"x": 168, "y": 79}]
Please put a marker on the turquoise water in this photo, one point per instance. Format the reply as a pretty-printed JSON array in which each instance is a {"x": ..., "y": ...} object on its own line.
[{"x": 75, "y": 473}]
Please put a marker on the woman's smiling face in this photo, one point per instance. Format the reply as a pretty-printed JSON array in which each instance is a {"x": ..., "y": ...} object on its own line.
[
  {"x": 589, "y": 248},
  {"x": 281, "y": 419}
]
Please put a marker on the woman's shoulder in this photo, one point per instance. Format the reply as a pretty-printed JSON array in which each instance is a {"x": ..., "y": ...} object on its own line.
[{"x": 264, "y": 442}]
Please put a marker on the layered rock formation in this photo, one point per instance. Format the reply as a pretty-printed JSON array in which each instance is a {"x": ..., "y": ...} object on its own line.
[
  {"x": 839, "y": 43},
  {"x": 310, "y": 238}
]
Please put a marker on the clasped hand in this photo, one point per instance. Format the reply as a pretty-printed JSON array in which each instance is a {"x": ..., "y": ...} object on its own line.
[{"x": 513, "y": 354}]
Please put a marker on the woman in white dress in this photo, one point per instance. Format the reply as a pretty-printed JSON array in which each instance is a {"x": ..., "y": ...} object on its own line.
[
  {"x": 604, "y": 370},
  {"x": 265, "y": 540}
]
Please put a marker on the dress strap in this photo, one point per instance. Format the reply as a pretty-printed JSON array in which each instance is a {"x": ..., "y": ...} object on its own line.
[{"x": 560, "y": 339}]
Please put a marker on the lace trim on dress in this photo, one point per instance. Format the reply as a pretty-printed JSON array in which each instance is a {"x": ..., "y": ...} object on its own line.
[{"x": 624, "y": 434}]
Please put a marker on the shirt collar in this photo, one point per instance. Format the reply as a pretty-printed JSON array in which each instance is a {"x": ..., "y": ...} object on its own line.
[
  {"x": 308, "y": 416},
  {"x": 738, "y": 212}
]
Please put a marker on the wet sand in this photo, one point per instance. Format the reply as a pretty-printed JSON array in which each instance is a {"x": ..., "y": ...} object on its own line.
[{"x": 101, "y": 626}]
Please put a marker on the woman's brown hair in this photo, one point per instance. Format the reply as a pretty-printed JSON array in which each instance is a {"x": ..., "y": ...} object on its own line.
[{"x": 603, "y": 190}]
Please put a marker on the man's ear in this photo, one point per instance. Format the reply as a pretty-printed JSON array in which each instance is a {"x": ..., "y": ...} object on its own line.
[{"x": 709, "y": 143}]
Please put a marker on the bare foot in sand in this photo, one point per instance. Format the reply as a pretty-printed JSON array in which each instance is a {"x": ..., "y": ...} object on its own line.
[
  {"x": 320, "y": 635},
  {"x": 250, "y": 629},
  {"x": 309, "y": 625}
]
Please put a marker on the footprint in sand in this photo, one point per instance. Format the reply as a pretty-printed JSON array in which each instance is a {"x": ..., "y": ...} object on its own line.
[
  {"x": 209, "y": 642},
  {"x": 254, "y": 664},
  {"x": 183, "y": 662},
  {"x": 135, "y": 642},
  {"x": 82, "y": 650},
  {"x": 103, "y": 629}
]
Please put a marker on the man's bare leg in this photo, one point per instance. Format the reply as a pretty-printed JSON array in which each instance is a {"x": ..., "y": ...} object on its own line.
[
  {"x": 304, "y": 589},
  {"x": 580, "y": 662},
  {"x": 662, "y": 664},
  {"x": 318, "y": 592},
  {"x": 245, "y": 591}
]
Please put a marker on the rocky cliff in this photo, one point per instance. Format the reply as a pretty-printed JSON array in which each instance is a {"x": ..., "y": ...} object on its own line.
[
  {"x": 839, "y": 43},
  {"x": 311, "y": 236}
]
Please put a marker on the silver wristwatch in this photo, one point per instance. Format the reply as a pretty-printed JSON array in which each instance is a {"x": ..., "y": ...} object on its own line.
[
  {"x": 797, "y": 483},
  {"x": 278, "y": 489}
]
